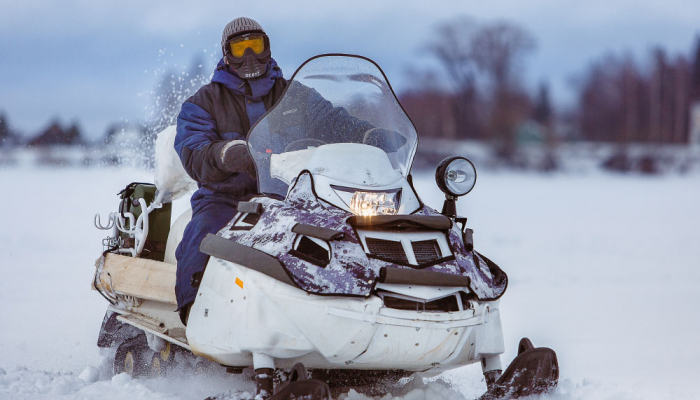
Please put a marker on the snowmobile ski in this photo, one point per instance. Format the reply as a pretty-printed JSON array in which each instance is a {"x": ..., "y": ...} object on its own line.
[{"x": 534, "y": 371}]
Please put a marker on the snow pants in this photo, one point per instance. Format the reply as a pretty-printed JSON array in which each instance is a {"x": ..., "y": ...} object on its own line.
[{"x": 207, "y": 217}]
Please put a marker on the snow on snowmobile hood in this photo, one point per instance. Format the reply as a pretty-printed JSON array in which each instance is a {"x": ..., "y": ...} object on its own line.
[{"x": 334, "y": 103}]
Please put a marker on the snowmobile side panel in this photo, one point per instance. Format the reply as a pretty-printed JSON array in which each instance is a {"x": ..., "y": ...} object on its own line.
[
  {"x": 249, "y": 257},
  {"x": 138, "y": 277},
  {"x": 229, "y": 322},
  {"x": 434, "y": 345},
  {"x": 405, "y": 319}
]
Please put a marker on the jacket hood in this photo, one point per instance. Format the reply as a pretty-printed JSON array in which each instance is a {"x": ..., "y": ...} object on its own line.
[{"x": 259, "y": 86}]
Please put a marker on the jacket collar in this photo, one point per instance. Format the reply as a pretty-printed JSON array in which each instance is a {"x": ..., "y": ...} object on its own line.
[{"x": 259, "y": 86}]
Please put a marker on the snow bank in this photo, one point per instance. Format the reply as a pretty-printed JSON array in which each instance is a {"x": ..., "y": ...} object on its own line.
[{"x": 603, "y": 269}]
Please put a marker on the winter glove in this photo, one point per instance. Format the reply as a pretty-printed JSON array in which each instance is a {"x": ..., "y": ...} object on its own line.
[
  {"x": 236, "y": 158},
  {"x": 389, "y": 141}
]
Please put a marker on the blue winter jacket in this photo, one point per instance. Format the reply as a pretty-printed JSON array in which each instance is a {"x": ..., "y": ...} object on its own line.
[
  {"x": 219, "y": 112},
  {"x": 225, "y": 110}
]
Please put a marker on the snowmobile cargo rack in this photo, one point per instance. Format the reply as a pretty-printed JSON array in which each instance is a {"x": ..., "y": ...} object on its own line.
[
  {"x": 422, "y": 277},
  {"x": 248, "y": 257},
  {"x": 138, "y": 277},
  {"x": 318, "y": 232},
  {"x": 439, "y": 222}
]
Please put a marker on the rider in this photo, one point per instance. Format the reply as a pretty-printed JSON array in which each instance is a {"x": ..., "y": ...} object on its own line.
[
  {"x": 211, "y": 133},
  {"x": 210, "y": 141}
]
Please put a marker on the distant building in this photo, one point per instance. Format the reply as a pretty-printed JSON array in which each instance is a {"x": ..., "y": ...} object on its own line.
[{"x": 57, "y": 135}]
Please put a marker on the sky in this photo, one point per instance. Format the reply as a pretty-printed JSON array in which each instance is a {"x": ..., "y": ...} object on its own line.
[{"x": 96, "y": 63}]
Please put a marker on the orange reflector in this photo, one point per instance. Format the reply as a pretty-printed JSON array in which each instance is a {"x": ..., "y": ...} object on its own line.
[{"x": 239, "y": 283}]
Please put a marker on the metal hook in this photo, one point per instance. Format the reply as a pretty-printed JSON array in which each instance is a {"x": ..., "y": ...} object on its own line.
[
  {"x": 120, "y": 221},
  {"x": 98, "y": 223}
]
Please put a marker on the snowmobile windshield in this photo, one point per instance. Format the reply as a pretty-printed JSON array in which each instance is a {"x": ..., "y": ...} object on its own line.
[{"x": 330, "y": 100}]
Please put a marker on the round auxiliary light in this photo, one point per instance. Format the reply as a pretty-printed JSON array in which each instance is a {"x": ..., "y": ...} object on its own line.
[{"x": 455, "y": 176}]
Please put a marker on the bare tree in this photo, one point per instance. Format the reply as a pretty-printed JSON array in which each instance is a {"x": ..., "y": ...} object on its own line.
[
  {"x": 543, "y": 114},
  {"x": 679, "y": 100},
  {"x": 454, "y": 49},
  {"x": 695, "y": 74},
  {"x": 498, "y": 50},
  {"x": 622, "y": 102}
]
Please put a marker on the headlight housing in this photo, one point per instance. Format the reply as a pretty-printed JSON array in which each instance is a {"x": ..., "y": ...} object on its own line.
[
  {"x": 370, "y": 202},
  {"x": 455, "y": 176}
]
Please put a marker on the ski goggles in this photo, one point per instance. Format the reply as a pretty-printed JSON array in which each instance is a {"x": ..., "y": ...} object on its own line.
[{"x": 255, "y": 42}]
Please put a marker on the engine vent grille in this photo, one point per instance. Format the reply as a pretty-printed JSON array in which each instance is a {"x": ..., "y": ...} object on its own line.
[
  {"x": 446, "y": 304},
  {"x": 389, "y": 250},
  {"x": 312, "y": 251},
  {"x": 426, "y": 251},
  {"x": 251, "y": 219}
]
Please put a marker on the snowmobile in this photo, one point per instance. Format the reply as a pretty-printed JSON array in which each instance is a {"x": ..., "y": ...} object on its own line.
[{"x": 335, "y": 271}]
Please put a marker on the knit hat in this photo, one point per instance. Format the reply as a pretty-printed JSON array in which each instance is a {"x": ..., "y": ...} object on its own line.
[{"x": 238, "y": 26}]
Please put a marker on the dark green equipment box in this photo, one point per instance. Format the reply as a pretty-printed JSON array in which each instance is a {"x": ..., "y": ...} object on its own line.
[{"x": 158, "y": 219}]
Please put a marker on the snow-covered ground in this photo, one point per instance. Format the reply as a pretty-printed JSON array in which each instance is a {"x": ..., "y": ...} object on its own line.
[{"x": 604, "y": 269}]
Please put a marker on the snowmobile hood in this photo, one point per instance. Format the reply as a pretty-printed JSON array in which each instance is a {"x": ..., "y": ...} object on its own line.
[
  {"x": 259, "y": 86},
  {"x": 340, "y": 265}
]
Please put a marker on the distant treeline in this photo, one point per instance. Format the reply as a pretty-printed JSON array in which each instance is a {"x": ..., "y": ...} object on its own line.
[
  {"x": 619, "y": 99},
  {"x": 479, "y": 93}
]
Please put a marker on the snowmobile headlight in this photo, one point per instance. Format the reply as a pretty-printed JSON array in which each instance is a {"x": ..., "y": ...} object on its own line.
[
  {"x": 455, "y": 176},
  {"x": 369, "y": 202},
  {"x": 374, "y": 203}
]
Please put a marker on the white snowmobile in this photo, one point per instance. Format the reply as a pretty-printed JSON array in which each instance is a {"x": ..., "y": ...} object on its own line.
[{"x": 336, "y": 266}]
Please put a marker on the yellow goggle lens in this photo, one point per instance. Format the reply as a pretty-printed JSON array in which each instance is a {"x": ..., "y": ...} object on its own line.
[{"x": 238, "y": 47}]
